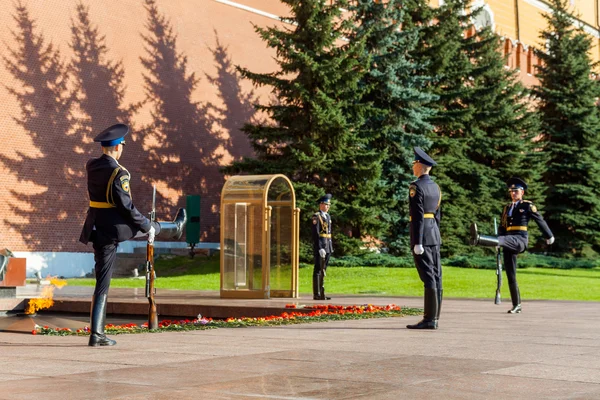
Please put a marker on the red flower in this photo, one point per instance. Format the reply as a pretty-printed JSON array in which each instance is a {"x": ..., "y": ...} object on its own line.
[{"x": 317, "y": 311}]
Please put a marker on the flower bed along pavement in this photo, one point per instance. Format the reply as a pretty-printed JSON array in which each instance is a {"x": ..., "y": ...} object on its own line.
[{"x": 316, "y": 313}]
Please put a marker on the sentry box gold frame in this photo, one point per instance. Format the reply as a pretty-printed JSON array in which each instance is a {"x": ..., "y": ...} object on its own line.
[{"x": 259, "y": 237}]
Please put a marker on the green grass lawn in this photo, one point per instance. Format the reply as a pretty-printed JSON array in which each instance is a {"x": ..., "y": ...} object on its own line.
[{"x": 202, "y": 273}]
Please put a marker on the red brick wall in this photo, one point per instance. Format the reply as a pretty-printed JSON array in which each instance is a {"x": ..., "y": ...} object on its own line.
[
  {"x": 66, "y": 73},
  {"x": 60, "y": 86}
]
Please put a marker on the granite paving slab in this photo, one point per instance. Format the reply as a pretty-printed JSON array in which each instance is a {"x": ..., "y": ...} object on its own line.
[{"x": 550, "y": 351}]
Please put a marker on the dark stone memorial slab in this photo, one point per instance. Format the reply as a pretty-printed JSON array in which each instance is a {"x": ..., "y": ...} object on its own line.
[
  {"x": 21, "y": 323},
  {"x": 8, "y": 292}
]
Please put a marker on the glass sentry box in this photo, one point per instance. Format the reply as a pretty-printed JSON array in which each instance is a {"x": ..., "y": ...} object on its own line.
[{"x": 259, "y": 237}]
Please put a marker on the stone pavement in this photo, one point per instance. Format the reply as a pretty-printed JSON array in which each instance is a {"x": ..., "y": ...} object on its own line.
[{"x": 550, "y": 351}]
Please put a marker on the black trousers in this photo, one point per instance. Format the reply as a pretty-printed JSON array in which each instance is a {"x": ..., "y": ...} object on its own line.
[
  {"x": 317, "y": 266},
  {"x": 429, "y": 267},
  {"x": 512, "y": 246},
  {"x": 105, "y": 254}
]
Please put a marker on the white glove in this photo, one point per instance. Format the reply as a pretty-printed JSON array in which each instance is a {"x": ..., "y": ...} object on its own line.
[
  {"x": 550, "y": 241},
  {"x": 322, "y": 253},
  {"x": 151, "y": 234},
  {"x": 419, "y": 249}
]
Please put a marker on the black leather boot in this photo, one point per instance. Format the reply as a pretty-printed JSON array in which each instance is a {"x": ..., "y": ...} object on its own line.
[
  {"x": 431, "y": 311},
  {"x": 322, "y": 287},
  {"x": 173, "y": 230},
  {"x": 439, "y": 308},
  {"x": 316, "y": 286},
  {"x": 98, "y": 320},
  {"x": 482, "y": 240},
  {"x": 515, "y": 296}
]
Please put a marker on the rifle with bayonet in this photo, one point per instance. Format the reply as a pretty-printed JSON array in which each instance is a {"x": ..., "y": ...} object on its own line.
[
  {"x": 498, "y": 299},
  {"x": 150, "y": 273}
]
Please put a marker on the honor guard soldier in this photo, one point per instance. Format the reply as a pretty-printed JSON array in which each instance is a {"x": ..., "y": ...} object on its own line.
[
  {"x": 322, "y": 246},
  {"x": 112, "y": 218},
  {"x": 425, "y": 240},
  {"x": 513, "y": 236}
]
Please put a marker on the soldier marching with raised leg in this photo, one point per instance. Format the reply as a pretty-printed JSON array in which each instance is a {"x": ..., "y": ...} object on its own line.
[
  {"x": 513, "y": 237},
  {"x": 112, "y": 218}
]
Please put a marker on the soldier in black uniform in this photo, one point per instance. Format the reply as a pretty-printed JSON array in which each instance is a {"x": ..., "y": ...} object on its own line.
[
  {"x": 112, "y": 218},
  {"x": 322, "y": 246},
  {"x": 512, "y": 235},
  {"x": 425, "y": 240}
]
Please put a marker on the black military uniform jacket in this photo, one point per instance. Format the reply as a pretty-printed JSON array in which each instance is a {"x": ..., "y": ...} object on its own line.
[
  {"x": 111, "y": 209},
  {"x": 321, "y": 232},
  {"x": 516, "y": 224},
  {"x": 424, "y": 209}
]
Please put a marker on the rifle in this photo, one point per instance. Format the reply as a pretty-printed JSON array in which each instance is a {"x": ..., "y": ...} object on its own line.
[
  {"x": 150, "y": 273},
  {"x": 498, "y": 299}
]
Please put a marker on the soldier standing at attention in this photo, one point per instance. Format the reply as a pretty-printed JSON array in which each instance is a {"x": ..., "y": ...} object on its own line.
[
  {"x": 112, "y": 218},
  {"x": 322, "y": 246},
  {"x": 513, "y": 236},
  {"x": 425, "y": 240}
]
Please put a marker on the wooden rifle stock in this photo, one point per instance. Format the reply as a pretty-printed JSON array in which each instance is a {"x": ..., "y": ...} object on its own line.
[{"x": 150, "y": 274}]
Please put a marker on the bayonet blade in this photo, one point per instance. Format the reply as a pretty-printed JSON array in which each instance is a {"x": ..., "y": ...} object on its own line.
[{"x": 153, "y": 212}]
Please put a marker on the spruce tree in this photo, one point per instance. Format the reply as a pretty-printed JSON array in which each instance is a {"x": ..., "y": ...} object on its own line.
[
  {"x": 483, "y": 125},
  {"x": 313, "y": 136},
  {"x": 567, "y": 94},
  {"x": 501, "y": 135},
  {"x": 396, "y": 86},
  {"x": 442, "y": 49}
]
